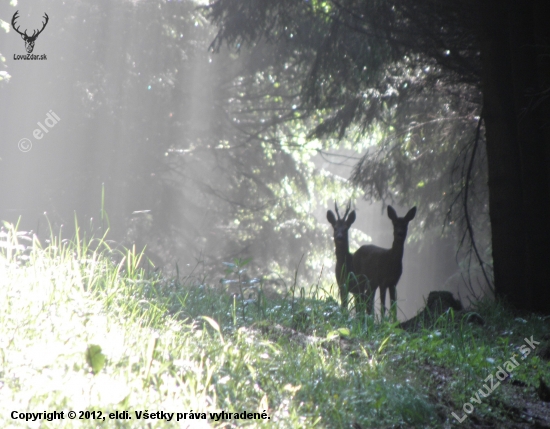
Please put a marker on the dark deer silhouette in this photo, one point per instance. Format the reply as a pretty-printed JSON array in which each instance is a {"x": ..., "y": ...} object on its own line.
[
  {"x": 370, "y": 266},
  {"x": 29, "y": 40},
  {"x": 383, "y": 267},
  {"x": 345, "y": 273}
]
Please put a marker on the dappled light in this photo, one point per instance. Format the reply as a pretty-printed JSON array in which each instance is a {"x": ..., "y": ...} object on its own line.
[{"x": 271, "y": 213}]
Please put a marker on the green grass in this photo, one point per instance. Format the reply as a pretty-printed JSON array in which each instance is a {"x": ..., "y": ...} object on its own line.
[{"x": 83, "y": 327}]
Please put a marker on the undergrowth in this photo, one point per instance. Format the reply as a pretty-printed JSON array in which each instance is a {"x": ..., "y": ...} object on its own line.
[{"x": 84, "y": 327}]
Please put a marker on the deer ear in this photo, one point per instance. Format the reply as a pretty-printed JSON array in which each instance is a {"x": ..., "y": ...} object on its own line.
[
  {"x": 350, "y": 219},
  {"x": 410, "y": 214},
  {"x": 391, "y": 213},
  {"x": 331, "y": 218}
]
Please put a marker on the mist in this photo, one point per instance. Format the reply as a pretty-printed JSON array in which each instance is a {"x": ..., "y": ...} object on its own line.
[{"x": 134, "y": 125}]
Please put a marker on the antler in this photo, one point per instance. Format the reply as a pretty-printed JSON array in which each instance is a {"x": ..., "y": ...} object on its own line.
[
  {"x": 47, "y": 18},
  {"x": 13, "y": 24},
  {"x": 348, "y": 207},
  {"x": 34, "y": 34}
]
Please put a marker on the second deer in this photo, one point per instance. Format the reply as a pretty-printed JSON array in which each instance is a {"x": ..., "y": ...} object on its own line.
[{"x": 383, "y": 267}]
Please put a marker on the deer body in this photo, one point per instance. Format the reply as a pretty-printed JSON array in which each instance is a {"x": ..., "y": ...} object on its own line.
[
  {"x": 383, "y": 267},
  {"x": 370, "y": 267}
]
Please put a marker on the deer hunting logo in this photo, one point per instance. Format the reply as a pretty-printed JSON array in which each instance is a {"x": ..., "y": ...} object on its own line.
[{"x": 29, "y": 40}]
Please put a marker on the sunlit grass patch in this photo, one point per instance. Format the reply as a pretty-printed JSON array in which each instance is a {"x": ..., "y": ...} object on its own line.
[
  {"x": 57, "y": 307},
  {"x": 84, "y": 327}
]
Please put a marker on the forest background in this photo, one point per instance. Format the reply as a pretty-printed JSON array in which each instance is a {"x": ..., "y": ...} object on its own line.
[{"x": 210, "y": 143}]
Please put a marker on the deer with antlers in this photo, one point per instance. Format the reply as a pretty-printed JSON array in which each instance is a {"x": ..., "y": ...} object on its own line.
[
  {"x": 345, "y": 272},
  {"x": 29, "y": 40},
  {"x": 370, "y": 267}
]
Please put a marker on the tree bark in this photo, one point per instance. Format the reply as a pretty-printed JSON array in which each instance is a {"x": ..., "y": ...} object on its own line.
[{"x": 517, "y": 151}]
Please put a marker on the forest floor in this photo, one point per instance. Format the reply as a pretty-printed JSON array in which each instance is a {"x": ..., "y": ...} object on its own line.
[
  {"x": 519, "y": 404},
  {"x": 83, "y": 328}
]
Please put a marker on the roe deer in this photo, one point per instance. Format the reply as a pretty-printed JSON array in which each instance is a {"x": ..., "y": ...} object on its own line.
[
  {"x": 345, "y": 274},
  {"x": 383, "y": 267}
]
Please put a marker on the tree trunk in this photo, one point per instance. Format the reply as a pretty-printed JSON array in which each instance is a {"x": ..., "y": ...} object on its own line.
[{"x": 517, "y": 151}]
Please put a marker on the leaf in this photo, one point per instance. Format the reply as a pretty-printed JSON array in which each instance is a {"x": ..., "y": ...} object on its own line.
[
  {"x": 341, "y": 332},
  {"x": 383, "y": 344},
  {"x": 95, "y": 358},
  {"x": 292, "y": 389},
  {"x": 344, "y": 332},
  {"x": 229, "y": 264},
  {"x": 381, "y": 399},
  {"x": 214, "y": 325},
  {"x": 263, "y": 406},
  {"x": 332, "y": 334},
  {"x": 242, "y": 262}
]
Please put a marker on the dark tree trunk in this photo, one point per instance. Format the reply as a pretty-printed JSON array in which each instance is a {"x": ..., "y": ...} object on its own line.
[
  {"x": 508, "y": 234},
  {"x": 524, "y": 44},
  {"x": 517, "y": 149}
]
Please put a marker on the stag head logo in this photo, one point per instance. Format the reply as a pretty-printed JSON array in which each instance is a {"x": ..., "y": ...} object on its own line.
[{"x": 29, "y": 40}]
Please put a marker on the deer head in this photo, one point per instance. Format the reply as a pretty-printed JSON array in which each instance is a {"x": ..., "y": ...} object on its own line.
[
  {"x": 400, "y": 224},
  {"x": 29, "y": 40},
  {"x": 341, "y": 225}
]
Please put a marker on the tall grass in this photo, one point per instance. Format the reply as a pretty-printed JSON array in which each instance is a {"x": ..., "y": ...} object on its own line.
[{"x": 85, "y": 327}]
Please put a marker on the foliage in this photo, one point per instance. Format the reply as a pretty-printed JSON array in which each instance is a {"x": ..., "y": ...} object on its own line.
[
  {"x": 154, "y": 113},
  {"x": 179, "y": 345},
  {"x": 398, "y": 80}
]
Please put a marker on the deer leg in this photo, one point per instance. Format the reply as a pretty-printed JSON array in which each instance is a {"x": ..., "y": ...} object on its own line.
[
  {"x": 368, "y": 294},
  {"x": 344, "y": 295},
  {"x": 393, "y": 301},
  {"x": 382, "y": 301},
  {"x": 361, "y": 304},
  {"x": 370, "y": 304}
]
